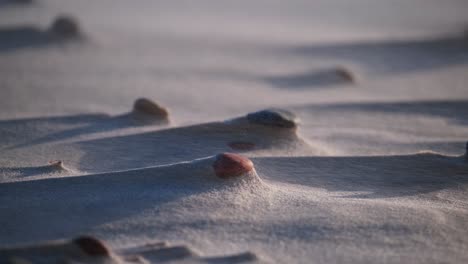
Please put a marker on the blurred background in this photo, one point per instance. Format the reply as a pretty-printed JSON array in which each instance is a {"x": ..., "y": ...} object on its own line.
[{"x": 211, "y": 60}]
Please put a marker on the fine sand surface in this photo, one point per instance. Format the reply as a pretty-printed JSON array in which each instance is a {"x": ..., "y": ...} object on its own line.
[{"x": 113, "y": 116}]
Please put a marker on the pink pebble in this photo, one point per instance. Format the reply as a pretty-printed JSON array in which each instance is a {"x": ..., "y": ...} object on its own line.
[{"x": 229, "y": 165}]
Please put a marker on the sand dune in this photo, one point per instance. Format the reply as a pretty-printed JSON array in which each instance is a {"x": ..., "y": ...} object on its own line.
[
  {"x": 233, "y": 132},
  {"x": 186, "y": 143},
  {"x": 159, "y": 198},
  {"x": 144, "y": 113},
  {"x": 150, "y": 186},
  {"x": 400, "y": 56}
]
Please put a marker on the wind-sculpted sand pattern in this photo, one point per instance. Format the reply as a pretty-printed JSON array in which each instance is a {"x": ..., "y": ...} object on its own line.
[
  {"x": 145, "y": 112},
  {"x": 271, "y": 130},
  {"x": 233, "y": 131},
  {"x": 240, "y": 199},
  {"x": 223, "y": 173}
]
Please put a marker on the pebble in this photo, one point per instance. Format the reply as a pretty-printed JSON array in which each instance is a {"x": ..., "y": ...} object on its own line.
[
  {"x": 229, "y": 165},
  {"x": 146, "y": 106},
  {"x": 345, "y": 74},
  {"x": 57, "y": 164},
  {"x": 65, "y": 26},
  {"x": 92, "y": 246},
  {"x": 273, "y": 117}
]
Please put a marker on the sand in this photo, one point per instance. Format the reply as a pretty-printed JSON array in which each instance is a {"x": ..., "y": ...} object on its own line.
[{"x": 351, "y": 118}]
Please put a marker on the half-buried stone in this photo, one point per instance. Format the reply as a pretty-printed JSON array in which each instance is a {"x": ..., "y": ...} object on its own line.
[
  {"x": 57, "y": 166},
  {"x": 92, "y": 246},
  {"x": 230, "y": 165},
  {"x": 266, "y": 129},
  {"x": 147, "y": 110},
  {"x": 345, "y": 74},
  {"x": 146, "y": 106},
  {"x": 274, "y": 117},
  {"x": 65, "y": 26}
]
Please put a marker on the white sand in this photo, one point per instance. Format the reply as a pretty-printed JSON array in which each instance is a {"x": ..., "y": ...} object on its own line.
[{"x": 374, "y": 174}]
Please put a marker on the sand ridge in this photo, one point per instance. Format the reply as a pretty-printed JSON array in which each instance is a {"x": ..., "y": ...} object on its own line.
[{"x": 350, "y": 119}]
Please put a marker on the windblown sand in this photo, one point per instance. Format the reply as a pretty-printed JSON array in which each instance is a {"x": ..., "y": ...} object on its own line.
[{"x": 113, "y": 133}]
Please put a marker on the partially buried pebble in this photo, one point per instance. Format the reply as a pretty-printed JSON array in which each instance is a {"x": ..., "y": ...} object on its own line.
[
  {"x": 345, "y": 74},
  {"x": 92, "y": 246},
  {"x": 274, "y": 117},
  {"x": 57, "y": 165},
  {"x": 150, "y": 108},
  {"x": 65, "y": 26},
  {"x": 230, "y": 165}
]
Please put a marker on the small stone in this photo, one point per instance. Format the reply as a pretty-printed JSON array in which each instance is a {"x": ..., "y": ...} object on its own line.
[
  {"x": 92, "y": 246},
  {"x": 56, "y": 163},
  {"x": 57, "y": 166},
  {"x": 146, "y": 106},
  {"x": 229, "y": 165},
  {"x": 345, "y": 74},
  {"x": 65, "y": 26},
  {"x": 241, "y": 145},
  {"x": 274, "y": 117}
]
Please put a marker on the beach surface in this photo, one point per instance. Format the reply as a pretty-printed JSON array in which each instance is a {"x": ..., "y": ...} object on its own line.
[{"x": 346, "y": 124}]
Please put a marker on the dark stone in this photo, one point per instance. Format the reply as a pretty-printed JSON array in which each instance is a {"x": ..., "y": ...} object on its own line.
[
  {"x": 65, "y": 26},
  {"x": 92, "y": 246},
  {"x": 273, "y": 117},
  {"x": 148, "y": 107}
]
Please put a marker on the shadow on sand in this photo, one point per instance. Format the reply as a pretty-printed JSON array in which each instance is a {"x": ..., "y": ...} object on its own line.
[
  {"x": 24, "y": 172},
  {"x": 25, "y": 131},
  {"x": 16, "y": 3},
  {"x": 453, "y": 110},
  {"x": 23, "y": 37},
  {"x": 66, "y": 207},
  {"x": 312, "y": 79},
  {"x": 181, "y": 144},
  {"x": 15, "y": 38},
  {"x": 394, "y": 57},
  {"x": 91, "y": 123},
  {"x": 380, "y": 176}
]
